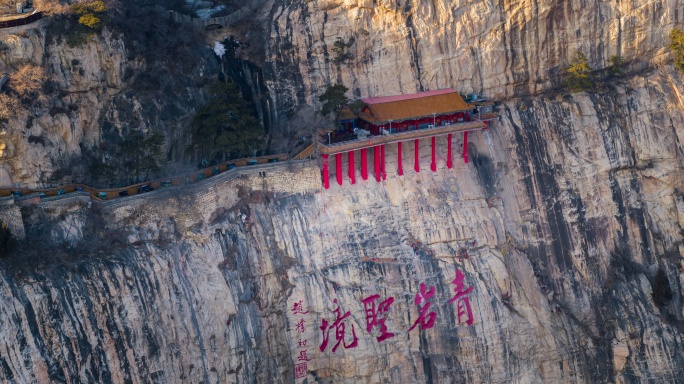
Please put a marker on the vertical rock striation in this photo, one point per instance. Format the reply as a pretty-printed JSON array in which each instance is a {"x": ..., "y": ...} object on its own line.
[
  {"x": 574, "y": 204},
  {"x": 497, "y": 48}
]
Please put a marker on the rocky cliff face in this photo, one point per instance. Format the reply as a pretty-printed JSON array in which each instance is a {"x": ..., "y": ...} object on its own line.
[
  {"x": 501, "y": 50},
  {"x": 567, "y": 224},
  {"x": 496, "y": 48},
  {"x": 99, "y": 92},
  {"x": 569, "y": 209}
]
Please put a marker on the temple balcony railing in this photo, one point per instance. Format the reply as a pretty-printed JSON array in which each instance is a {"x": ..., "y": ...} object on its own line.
[{"x": 355, "y": 143}]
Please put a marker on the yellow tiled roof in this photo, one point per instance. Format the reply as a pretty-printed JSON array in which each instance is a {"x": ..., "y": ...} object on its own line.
[
  {"x": 346, "y": 114},
  {"x": 413, "y": 106}
]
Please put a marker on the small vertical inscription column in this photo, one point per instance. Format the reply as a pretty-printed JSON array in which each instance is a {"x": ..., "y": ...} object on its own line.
[{"x": 325, "y": 172}]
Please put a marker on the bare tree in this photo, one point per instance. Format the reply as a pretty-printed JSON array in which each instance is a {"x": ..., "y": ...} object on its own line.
[{"x": 27, "y": 82}]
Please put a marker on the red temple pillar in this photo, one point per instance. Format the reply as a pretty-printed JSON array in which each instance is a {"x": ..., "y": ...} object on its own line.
[
  {"x": 465, "y": 147},
  {"x": 338, "y": 168},
  {"x": 416, "y": 166},
  {"x": 400, "y": 169},
  {"x": 364, "y": 164},
  {"x": 382, "y": 163},
  {"x": 376, "y": 162},
  {"x": 433, "y": 165},
  {"x": 450, "y": 163},
  {"x": 326, "y": 175},
  {"x": 352, "y": 170}
]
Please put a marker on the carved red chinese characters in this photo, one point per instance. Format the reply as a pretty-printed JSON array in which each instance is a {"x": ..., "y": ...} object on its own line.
[
  {"x": 300, "y": 369},
  {"x": 461, "y": 298},
  {"x": 426, "y": 319},
  {"x": 340, "y": 331},
  {"x": 303, "y": 356},
  {"x": 298, "y": 309},
  {"x": 376, "y": 315},
  {"x": 300, "y": 326}
]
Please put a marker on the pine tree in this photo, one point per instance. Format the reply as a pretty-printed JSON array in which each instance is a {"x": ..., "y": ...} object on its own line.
[
  {"x": 225, "y": 125},
  {"x": 334, "y": 98},
  {"x": 142, "y": 154}
]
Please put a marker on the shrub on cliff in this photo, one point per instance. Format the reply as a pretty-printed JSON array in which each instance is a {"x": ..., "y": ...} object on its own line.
[
  {"x": 333, "y": 98},
  {"x": 225, "y": 126},
  {"x": 90, "y": 14},
  {"x": 84, "y": 19},
  {"x": 579, "y": 76},
  {"x": 617, "y": 64},
  {"x": 340, "y": 49},
  {"x": 8, "y": 106},
  {"x": 677, "y": 47}
]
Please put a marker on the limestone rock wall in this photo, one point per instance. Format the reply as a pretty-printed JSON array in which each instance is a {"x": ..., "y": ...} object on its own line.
[
  {"x": 97, "y": 95},
  {"x": 574, "y": 204},
  {"x": 496, "y": 48}
]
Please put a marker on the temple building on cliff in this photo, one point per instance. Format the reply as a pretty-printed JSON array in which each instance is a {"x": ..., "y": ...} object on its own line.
[{"x": 397, "y": 120}]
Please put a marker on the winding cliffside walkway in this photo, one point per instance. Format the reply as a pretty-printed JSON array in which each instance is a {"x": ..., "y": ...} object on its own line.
[
  {"x": 34, "y": 195},
  {"x": 17, "y": 22},
  {"x": 305, "y": 150}
]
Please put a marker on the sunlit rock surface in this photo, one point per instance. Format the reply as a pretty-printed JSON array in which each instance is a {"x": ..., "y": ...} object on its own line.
[
  {"x": 574, "y": 204},
  {"x": 97, "y": 95},
  {"x": 571, "y": 204},
  {"x": 496, "y": 48}
]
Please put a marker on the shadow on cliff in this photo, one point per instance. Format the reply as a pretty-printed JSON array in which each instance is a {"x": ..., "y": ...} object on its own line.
[
  {"x": 61, "y": 240},
  {"x": 485, "y": 170}
]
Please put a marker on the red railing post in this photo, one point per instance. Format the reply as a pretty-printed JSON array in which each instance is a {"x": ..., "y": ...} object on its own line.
[
  {"x": 338, "y": 168},
  {"x": 433, "y": 164},
  {"x": 350, "y": 164},
  {"x": 450, "y": 163},
  {"x": 364, "y": 164},
  {"x": 376, "y": 162},
  {"x": 400, "y": 169},
  {"x": 465, "y": 147}
]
